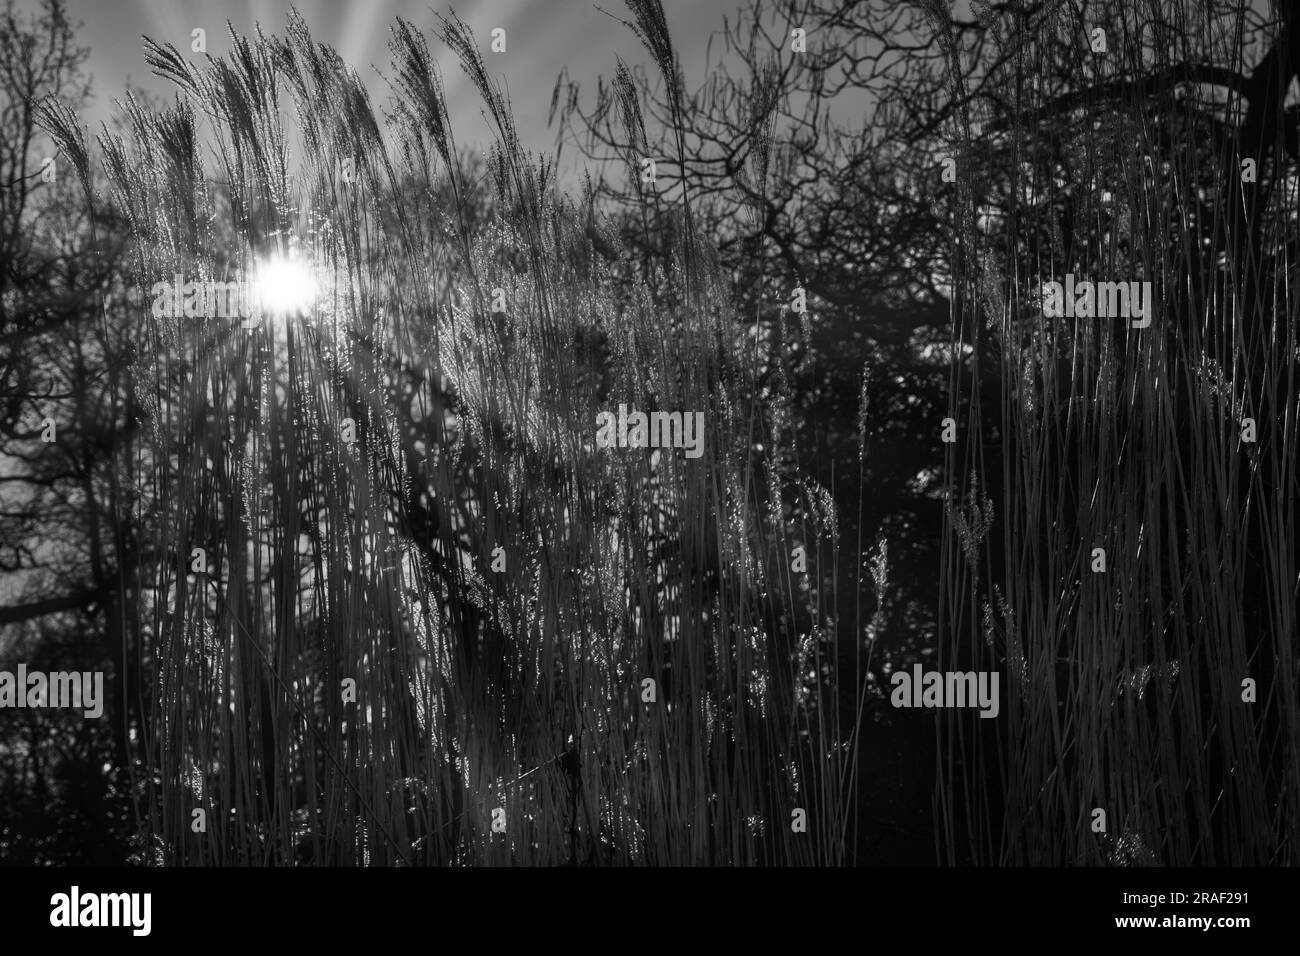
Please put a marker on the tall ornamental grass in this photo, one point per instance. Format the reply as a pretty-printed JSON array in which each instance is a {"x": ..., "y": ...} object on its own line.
[
  {"x": 428, "y": 606},
  {"x": 1129, "y": 735}
]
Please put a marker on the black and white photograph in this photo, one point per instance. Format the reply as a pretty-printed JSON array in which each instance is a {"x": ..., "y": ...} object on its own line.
[{"x": 790, "y": 443}]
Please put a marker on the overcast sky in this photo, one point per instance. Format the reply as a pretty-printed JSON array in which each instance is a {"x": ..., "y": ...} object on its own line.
[{"x": 543, "y": 37}]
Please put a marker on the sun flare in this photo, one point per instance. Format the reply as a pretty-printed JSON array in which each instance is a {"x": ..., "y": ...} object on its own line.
[{"x": 284, "y": 286}]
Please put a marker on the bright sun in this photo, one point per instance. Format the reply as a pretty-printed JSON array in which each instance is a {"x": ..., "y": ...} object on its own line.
[{"x": 284, "y": 287}]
